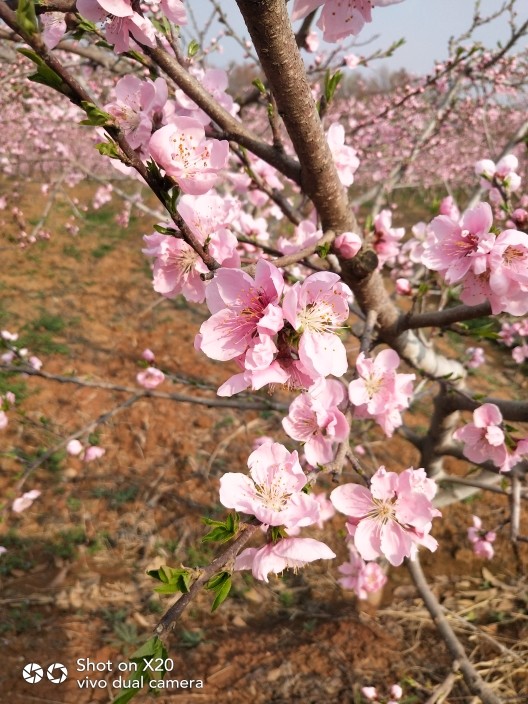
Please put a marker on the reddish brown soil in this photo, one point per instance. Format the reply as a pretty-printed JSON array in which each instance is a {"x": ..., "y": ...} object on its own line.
[{"x": 73, "y": 583}]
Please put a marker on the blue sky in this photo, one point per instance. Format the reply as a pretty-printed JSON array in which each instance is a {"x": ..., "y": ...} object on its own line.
[{"x": 426, "y": 26}]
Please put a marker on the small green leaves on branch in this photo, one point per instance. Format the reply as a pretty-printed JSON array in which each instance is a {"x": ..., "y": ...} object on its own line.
[
  {"x": 221, "y": 532},
  {"x": 330, "y": 85},
  {"x": 44, "y": 74},
  {"x": 220, "y": 584},
  {"x": 27, "y": 17},
  {"x": 193, "y": 49},
  {"x": 111, "y": 150},
  {"x": 95, "y": 116},
  {"x": 173, "y": 580},
  {"x": 152, "y": 652}
]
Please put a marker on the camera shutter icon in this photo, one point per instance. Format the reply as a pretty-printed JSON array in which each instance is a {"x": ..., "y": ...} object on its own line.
[
  {"x": 32, "y": 673},
  {"x": 57, "y": 673}
]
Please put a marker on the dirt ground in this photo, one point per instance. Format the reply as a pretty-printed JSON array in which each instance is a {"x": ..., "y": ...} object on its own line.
[{"x": 73, "y": 581}]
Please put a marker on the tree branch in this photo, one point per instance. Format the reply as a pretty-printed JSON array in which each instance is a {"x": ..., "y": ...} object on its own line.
[
  {"x": 473, "y": 680},
  {"x": 176, "y": 610}
]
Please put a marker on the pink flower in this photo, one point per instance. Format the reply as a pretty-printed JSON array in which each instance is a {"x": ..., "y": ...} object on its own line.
[
  {"x": 455, "y": 249},
  {"x": 314, "y": 418},
  {"x": 484, "y": 439},
  {"x": 396, "y": 691},
  {"x": 148, "y": 355},
  {"x": 3, "y": 550},
  {"x": 351, "y": 61},
  {"x": 520, "y": 353},
  {"x": 273, "y": 491},
  {"x": 291, "y": 553},
  {"x": 449, "y": 207},
  {"x": 94, "y": 452},
  {"x": 316, "y": 309},
  {"x": 121, "y": 21},
  {"x": 245, "y": 312},
  {"x": 177, "y": 267},
  {"x": 362, "y": 577},
  {"x": 150, "y": 378},
  {"x": 475, "y": 357},
  {"x": 380, "y": 392},
  {"x": 386, "y": 237},
  {"x": 54, "y": 28},
  {"x": 4, "y": 420},
  {"x": 74, "y": 447},
  {"x": 136, "y": 103},
  {"x": 508, "y": 277},
  {"x": 345, "y": 158},
  {"x": 347, "y": 244},
  {"x": 182, "y": 150},
  {"x": 339, "y": 19},
  {"x": 9, "y": 336},
  {"x": 304, "y": 235},
  {"x": 35, "y": 362},
  {"x": 370, "y": 693},
  {"x": 311, "y": 41},
  {"x": 23, "y": 502},
  {"x": 481, "y": 539},
  {"x": 403, "y": 287},
  {"x": 391, "y": 520}
]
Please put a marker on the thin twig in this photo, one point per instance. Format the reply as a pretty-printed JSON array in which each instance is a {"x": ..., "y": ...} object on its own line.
[
  {"x": 148, "y": 393},
  {"x": 176, "y": 610},
  {"x": 473, "y": 680}
]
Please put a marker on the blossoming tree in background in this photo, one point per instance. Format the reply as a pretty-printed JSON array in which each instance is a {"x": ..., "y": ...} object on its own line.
[{"x": 259, "y": 220}]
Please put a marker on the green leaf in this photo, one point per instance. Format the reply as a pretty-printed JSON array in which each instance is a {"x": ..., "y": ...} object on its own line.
[
  {"x": 96, "y": 117},
  {"x": 193, "y": 49},
  {"x": 165, "y": 230},
  {"x": 45, "y": 74},
  {"x": 27, "y": 17},
  {"x": 221, "y": 585},
  {"x": 259, "y": 85},
  {"x": 323, "y": 250},
  {"x": 109, "y": 149},
  {"x": 153, "y": 648},
  {"x": 173, "y": 580},
  {"x": 222, "y": 531},
  {"x": 331, "y": 83}
]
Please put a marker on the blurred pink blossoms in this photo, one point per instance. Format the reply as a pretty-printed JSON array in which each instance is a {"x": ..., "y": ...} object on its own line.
[
  {"x": 339, "y": 19},
  {"x": 481, "y": 539}
]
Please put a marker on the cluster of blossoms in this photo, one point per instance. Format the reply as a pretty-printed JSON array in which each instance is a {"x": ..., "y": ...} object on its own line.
[
  {"x": 379, "y": 392},
  {"x": 484, "y": 439},
  {"x": 481, "y": 539},
  {"x": 489, "y": 267},
  {"x": 119, "y": 19},
  {"x": 273, "y": 493},
  {"x": 6, "y": 401},
  {"x": 288, "y": 340},
  {"x": 499, "y": 177},
  {"x": 393, "y": 517},
  {"x": 151, "y": 377},
  {"x": 24, "y": 502},
  {"x": 515, "y": 335},
  {"x": 14, "y": 353},
  {"x": 177, "y": 267},
  {"x": 371, "y": 695},
  {"x": 475, "y": 357},
  {"x": 315, "y": 419},
  {"x": 362, "y": 577},
  {"x": 88, "y": 454},
  {"x": 339, "y": 19}
]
